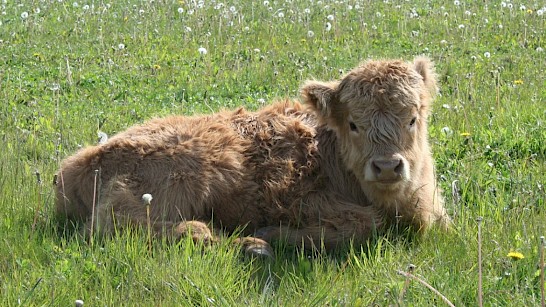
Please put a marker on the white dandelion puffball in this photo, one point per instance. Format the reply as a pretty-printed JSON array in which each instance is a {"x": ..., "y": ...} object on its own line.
[{"x": 202, "y": 51}]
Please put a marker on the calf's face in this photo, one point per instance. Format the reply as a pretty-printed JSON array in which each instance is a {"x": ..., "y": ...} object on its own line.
[{"x": 379, "y": 112}]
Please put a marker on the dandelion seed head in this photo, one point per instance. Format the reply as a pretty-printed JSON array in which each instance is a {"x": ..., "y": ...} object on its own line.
[
  {"x": 330, "y": 17},
  {"x": 24, "y": 15},
  {"x": 79, "y": 303},
  {"x": 487, "y": 54},
  {"x": 202, "y": 51},
  {"x": 328, "y": 26},
  {"x": 180, "y": 10},
  {"x": 447, "y": 131},
  {"x": 147, "y": 199},
  {"x": 121, "y": 46},
  {"x": 310, "y": 33}
]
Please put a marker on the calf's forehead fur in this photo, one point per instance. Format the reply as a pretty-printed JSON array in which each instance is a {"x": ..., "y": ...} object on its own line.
[{"x": 390, "y": 87}]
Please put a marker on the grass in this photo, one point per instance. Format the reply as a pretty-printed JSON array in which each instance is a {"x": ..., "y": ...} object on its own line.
[{"x": 68, "y": 71}]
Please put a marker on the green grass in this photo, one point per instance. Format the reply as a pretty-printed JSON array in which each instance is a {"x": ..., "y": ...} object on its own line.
[{"x": 68, "y": 71}]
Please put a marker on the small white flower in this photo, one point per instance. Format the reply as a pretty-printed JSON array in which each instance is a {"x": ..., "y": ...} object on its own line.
[
  {"x": 121, "y": 46},
  {"x": 75, "y": 4},
  {"x": 187, "y": 29},
  {"x": 503, "y": 4},
  {"x": 328, "y": 26},
  {"x": 85, "y": 7},
  {"x": 487, "y": 54},
  {"x": 280, "y": 15},
  {"x": 79, "y": 303},
  {"x": 522, "y": 7},
  {"x": 378, "y": 14},
  {"x": 24, "y": 15},
  {"x": 37, "y": 10},
  {"x": 202, "y": 51},
  {"x": 468, "y": 13},
  {"x": 307, "y": 11},
  {"x": 446, "y": 106},
  {"x": 310, "y": 33},
  {"x": 147, "y": 199},
  {"x": 457, "y": 3},
  {"x": 539, "y": 49},
  {"x": 330, "y": 17},
  {"x": 232, "y": 9},
  {"x": 180, "y": 10},
  {"x": 266, "y": 3},
  {"x": 461, "y": 26},
  {"x": 473, "y": 58},
  {"x": 443, "y": 42},
  {"x": 540, "y": 12}
]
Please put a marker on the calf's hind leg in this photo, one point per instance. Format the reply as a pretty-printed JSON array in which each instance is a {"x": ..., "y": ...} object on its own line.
[{"x": 121, "y": 205}]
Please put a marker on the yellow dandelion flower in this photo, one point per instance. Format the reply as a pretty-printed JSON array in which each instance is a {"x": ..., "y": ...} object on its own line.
[
  {"x": 519, "y": 81},
  {"x": 515, "y": 255},
  {"x": 529, "y": 11},
  {"x": 157, "y": 67},
  {"x": 465, "y": 134}
]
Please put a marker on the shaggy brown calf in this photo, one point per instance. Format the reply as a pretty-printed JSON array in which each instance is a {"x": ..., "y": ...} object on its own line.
[{"x": 353, "y": 158}]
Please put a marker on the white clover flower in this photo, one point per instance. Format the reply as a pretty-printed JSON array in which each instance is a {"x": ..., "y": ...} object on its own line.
[
  {"x": 378, "y": 14},
  {"x": 280, "y": 15},
  {"x": 510, "y": 5},
  {"x": 539, "y": 49},
  {"x": 147, "y": 199},
  {"x": 85, "y": 7},
  {"x": 473, "y": 58},
  {"x": 24, "y": 15},
  {"x": 232, "y": 9},
  {"x": 540, "y": 12},
  {"x": 503, "y": 4},
  {"x": 266, "y": 3},
  {"x": 467, "y": 13},
  {"x": 457, "y": 3},
  {"x": 75, "y": 4},
  {"x": 328, "y": 26},
  {"x": 500, "y": 26},
  {"x": 202, "y": 51},
  {"x": 330, "y": 17},
  {"x": 522, "y": 7},
  {"x": 180, "y": 10},
  {"x": 307, "y": 11},
  {"x": 487, "y": 54},
  {"x": 121, "y": 46},
  {"x": 37, "y": 10},
  {"x": 257, "y": 50},
  {"x": 461, "y": 26},
  {"x": 310, "y": 33}
]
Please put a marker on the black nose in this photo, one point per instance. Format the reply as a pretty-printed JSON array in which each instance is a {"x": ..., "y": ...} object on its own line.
[{"x": 388, "y": 169}]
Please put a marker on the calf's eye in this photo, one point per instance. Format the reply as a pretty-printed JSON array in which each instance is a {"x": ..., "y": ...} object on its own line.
[
  {"x": 413, "y": 120},
  {"x": 353, "y": 127}
]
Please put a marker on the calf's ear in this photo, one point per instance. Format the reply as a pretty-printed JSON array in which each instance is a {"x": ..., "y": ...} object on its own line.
[
  {"x": 320, "y": 97},
  {"x": 425, "y": 68}
]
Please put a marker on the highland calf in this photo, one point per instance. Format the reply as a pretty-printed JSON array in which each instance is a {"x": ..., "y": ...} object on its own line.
[{"x": 353, "y": 159}]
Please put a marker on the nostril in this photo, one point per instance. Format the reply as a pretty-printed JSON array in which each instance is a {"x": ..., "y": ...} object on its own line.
[{"x": 399, "y": 168}]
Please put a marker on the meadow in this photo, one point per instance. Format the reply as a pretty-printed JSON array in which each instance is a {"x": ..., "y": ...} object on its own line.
[{"x": 71, "y": 69}]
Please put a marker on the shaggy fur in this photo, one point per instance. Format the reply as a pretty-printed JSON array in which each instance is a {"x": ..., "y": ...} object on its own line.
[{"x": 352, "y": 159}]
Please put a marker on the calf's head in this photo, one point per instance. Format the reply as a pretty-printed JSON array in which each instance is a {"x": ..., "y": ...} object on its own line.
[{"x": 379, "y": 112}]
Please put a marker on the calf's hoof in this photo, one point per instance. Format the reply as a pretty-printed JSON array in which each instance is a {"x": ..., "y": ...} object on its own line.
[{"x": 255, "y": 247}]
